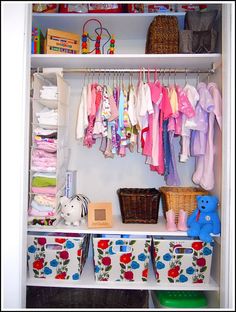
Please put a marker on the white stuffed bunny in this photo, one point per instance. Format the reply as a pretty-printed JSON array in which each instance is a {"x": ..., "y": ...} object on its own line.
[{"x": 74, "y": 210}]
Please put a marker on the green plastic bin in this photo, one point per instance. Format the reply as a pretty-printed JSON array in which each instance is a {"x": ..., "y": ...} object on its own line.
[{"x": 179, "y": 299}]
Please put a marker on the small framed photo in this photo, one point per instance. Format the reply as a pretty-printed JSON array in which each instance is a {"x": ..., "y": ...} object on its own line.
[{"x": 99, "y": 215}]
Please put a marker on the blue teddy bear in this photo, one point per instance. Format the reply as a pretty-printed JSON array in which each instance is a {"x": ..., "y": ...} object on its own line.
[{"x": 204, "y": 220}]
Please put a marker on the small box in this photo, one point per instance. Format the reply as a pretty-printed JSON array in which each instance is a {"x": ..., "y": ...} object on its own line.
[
  {"x": 181, "y": 261},
  {"x": 121, "y": 259},
  {"x": 57, "y": 255},
  {"x": 61, "y": 42}
]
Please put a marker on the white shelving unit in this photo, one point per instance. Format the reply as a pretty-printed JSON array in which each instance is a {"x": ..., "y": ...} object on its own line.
[{"x": 130, "y": 31}]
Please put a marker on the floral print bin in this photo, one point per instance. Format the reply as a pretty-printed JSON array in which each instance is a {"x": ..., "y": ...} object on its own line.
[
  {"x": 121, "y": 259},
  {"x": 183, "y": 261},
  {"x": 56, "y": 255}
]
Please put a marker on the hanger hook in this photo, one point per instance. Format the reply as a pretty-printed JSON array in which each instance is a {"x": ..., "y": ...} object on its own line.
[
  {"x": 198, "y": 76},
  {"x": 186, "y": 76}
]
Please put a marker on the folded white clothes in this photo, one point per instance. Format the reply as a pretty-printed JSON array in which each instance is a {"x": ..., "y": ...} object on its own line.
[
  {"x": 44, "y": 174},
  {"x": 49, "y": 93},
  {"x": 47, "y": 112},
  {"x": 42, "y": 131}
]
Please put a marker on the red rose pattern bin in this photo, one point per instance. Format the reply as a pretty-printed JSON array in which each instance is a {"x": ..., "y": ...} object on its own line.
[
  {"x": 181, "y": 261},
  {"x": 118, "y": 259},
  {"x": 56, "y": 255}
]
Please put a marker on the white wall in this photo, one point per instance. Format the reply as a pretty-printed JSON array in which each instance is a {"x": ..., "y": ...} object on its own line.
[{"x": 14, "y": 124}]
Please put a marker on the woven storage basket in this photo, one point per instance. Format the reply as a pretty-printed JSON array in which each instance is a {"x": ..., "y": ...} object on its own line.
[
  {"x": 163, "y": 35},
  {"x": 177, "y": 198},
  {"x": 139, "y": 205}
]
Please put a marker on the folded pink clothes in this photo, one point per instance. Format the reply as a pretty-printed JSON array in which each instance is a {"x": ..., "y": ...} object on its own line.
[
  {"x": 37, "y": 153},
  {"x": 34, "y": 212},
  {"x": 52, "y": 190},
  {"x": 46, "y": 162},
  {"x": 46, "y": 146}
]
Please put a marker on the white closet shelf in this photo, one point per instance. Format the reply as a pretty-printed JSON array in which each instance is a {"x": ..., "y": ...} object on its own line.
[
  {"x": 118, "y": 228},
  {"x": 87, "y": 280},
  {"x": 190, "y": 61}
]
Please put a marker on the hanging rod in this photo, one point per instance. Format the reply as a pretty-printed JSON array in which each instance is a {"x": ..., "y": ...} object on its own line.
[{"x": 135, "y": 70}]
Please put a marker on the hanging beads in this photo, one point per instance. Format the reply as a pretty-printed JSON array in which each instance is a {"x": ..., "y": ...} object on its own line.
[
  {"x": 112, "y": 45},
  {"x": 85, "y": 43},
  {"x": 97, "y": 45}
]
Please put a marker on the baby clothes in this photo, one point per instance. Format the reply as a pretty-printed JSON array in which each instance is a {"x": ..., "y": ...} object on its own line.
[
  {"x": 47, "y": 116},
  {"x": 82, "y": 119},
  {"x": 43, "y": 161},
  {"x": 188, "y": 122},
  {"x": 207, "y": 178},
  {"x": 199, "y": 136}
]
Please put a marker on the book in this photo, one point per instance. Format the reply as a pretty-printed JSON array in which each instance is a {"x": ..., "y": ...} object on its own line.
[{"x": 37, "y": 44}]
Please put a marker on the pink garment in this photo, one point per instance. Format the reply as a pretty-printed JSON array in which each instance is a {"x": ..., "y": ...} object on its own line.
[
  {"x": 96, "y": 96},
  {"x": 36, "y": 213},
  {"x": 44, "y": 190},
  {"x": 46, "y": 146},
  {"x": 184, "y": 106},
  {"x": 206, "y": 162},
  {"x": 152, "y": 138},
  {"x": 43, "y": 161},
  {"x": 165, "y": 104}
]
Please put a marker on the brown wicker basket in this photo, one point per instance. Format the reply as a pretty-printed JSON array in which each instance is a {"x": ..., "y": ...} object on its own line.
[
  {"x": 139, "y": 205},
  {"x": 177, "y": 198},
  {"x": 163, "y": 35}
]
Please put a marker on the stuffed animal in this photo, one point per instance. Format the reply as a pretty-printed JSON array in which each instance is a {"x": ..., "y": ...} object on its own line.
[
  {"x": 74, "y": 210},
  {"x": 204, "y": 220}
]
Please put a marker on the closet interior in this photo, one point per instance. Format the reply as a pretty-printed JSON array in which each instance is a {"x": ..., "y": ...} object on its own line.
[{"x": 103, "y": 166}]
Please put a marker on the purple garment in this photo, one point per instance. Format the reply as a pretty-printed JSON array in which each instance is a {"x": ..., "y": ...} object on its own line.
[
  {"x": 204, "y": 106},
  {"x": 172, "y": 178}
]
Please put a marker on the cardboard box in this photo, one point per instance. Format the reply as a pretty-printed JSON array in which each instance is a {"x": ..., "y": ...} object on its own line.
[
  {"x": 57, "y": 255},
  {"x": 121, "y": 259},
  {"x": 181, "y": 260},
  {"x": 61, "y": 42}
]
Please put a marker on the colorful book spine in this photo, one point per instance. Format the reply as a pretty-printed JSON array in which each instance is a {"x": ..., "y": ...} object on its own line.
[{"x": 37, "y": 41}]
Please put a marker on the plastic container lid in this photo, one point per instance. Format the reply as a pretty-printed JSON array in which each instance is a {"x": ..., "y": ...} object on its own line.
[{"x": 181, "y": 299}]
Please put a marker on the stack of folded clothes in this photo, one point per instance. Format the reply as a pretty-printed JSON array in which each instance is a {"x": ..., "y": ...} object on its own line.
[
  {"x": 45, "y": 139},
  {"x": 43, "y": 209},
  {"x": 43, "y": 161},
  {"x": 48, "y": 93},
  {"x": 47, "y": 116}
]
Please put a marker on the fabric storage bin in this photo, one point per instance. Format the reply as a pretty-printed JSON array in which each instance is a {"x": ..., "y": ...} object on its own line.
[
  {"x": 181, "y": 260},
  {"x": 139, "y": 205},
  {"x": 119, "y": 259},
  {"x": 56, "y": 255},
  {"x": 177, "y": 198}
]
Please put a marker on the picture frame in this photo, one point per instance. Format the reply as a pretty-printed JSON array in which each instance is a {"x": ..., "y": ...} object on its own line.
[{"x": 100, "y": 215}]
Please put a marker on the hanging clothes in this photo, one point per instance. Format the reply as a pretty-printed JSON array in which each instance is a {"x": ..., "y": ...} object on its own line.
[{"x": 207, "y": 179}]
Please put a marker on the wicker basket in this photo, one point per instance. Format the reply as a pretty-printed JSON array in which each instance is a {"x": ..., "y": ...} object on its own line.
[
  {"x": 163, "y": 35},
  {"x": 139, "y": 205},
  {"x": 177, "y": 198}
]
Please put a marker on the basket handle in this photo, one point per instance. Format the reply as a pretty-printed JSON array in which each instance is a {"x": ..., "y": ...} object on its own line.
[
  {"x": 119, "y": 249},
  {"x": 183, "y": 250},
  {"x": 52, "y": 247}
]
